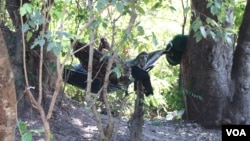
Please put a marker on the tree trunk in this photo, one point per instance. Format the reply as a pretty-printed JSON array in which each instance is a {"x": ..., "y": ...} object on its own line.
[
  {"x": 8, "y": 101},
  {"x": 32, "y": 60},
  {"x": 239, "y": 110},
  {"x": 206, "y": 68},
  {"x": 14, "y": 45},
  {"x": 136, "y": 122}
]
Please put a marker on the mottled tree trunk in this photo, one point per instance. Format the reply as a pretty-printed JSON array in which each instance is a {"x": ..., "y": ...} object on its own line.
[
  {"x": 136, "y": 122},
  {"x": 221, "y": 78},
  {"x": 8, "y": 101},
  {"x": 206, "y": 71},
  {"x": 32, "y": 60},
  {"x": 14, "y": 45},
  {"x": 239, "y": 110}
]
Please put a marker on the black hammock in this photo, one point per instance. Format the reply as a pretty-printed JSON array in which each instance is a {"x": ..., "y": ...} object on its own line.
[{"x": 77, "y": 75}]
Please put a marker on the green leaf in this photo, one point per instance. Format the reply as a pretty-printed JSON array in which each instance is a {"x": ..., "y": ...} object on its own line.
[
  {"x": 155, "y": 42},
  {"x": 29, "y": 35},
  {"x": 57, "y": 50},
  {"x": 203, "y": 31},
  {"x": 157, "y": 5},
  {"x": 186, "y": 10},
  {"x": 59, "y": 34},
  {"x": 208, "y": 20},
  {"x": 217, "y": 4},
  {"x": 25, "y": 27},
  {"x": 154, "y": 102},
  {"x": 31, "y": 23},
  {"x": 214, "y": 10},
  {"x": 26, "y": 8},
  {"x": 50, "y": 46},
  {"x": 41, "y": 42},
  {"x": 51, "y": 136},
  {"x": 140, "y": 30},
  {"x": 120, "y": 7},
  {"x": 48, "y": 36},
  {"x": 41, "y": 20},
  {"x": 140, "y": 9},
  {"x": 101, "y": 3},
  {"x": 27, "y": 136},
  {"x": 172, "y": 8},
  {"x": 117, "y": 71},
  {"x": 104, "y": 24},
  {"x": 52, "y": 66},
  {"x": 95, "y": 23},
  {"x": 214, "y": 23},
  {"x": 67, "y": 35},
  {"x": 146, "y": 1},
  {"x": 197, "y": 36},
  {"x": 209, "y": 4},
  {"x": 22, "y": 127},
  {"x": 55, "y": 13},
  {"x": 196, "y": 24}
]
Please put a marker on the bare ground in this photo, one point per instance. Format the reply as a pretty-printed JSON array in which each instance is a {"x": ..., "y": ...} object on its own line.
[{"x": 73, "y": 122}]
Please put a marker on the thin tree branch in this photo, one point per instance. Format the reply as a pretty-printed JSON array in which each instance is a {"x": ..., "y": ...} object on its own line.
[
  {"x": 39, "y": 108},
  {"x": 34, "y": 103},
  {"x": 59, "y": 80},
  {"x": 184, "y": 16},
  {"x": 80, "y": 33},
  {"x": 24, "y": 52}
]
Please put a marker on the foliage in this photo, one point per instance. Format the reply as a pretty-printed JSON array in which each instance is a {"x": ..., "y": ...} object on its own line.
[
  {"x": 213, "y": 26},
  {"x": 142, "y": 38},
  {"x": 26, "y": 135},
  {"x": 175, "y": 115}
]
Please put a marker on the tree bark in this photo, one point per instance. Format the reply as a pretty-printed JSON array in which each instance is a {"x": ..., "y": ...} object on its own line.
[
  {"x": 8, "y": 101},
  {"x": 137, "y": 120},
  {"x": 206, "y": 68},
  {"x": 14, "y": 46},
  {"x": 239, "y": 111},
  {"x": 32, "y": 58}
]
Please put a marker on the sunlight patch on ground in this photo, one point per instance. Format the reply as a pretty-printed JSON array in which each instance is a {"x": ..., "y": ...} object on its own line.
[
  {"x": 89, "y": 131},
  {"x": 77, "y": 121},
  {"x": 73, "y": 107},
  {"x": 32, "y": 122}
]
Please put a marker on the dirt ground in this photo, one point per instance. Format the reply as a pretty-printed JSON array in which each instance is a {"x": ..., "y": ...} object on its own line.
[{"x": 73, "y": 122}]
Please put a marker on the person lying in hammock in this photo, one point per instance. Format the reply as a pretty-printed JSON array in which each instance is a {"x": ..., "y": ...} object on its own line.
[{"x": 138, "y": 67}]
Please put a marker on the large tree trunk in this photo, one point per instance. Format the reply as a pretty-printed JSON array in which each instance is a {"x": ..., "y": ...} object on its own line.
[
  {"x": 8, "y": 101},
  {"x": 239, "y": 110},
  {"x": 14, "y": 45},
  {"x": 32, "y": 60},
  {"x": 206, "y": 68}
]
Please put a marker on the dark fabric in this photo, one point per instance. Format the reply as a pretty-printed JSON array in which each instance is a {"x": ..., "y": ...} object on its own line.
[
  {"x": 175, "y": 49},
  {"x": 77, "y": 76},
  {"x": 79, "y": 79},
  {"x": 141, "y": 75}
]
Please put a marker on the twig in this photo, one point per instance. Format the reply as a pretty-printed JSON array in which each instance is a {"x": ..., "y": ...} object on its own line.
[
  {"x": 45, "y": 16},
  {"x": 80, "y": 33},
  {"x": 39, "y": 108},
  {"x": 183, "y": 29},
  {"x": 120, "y": 116},
  {"x": 24, "y": 52},
  {"x": 184, "y": 16},
  {"x": 89, "y": 78},
  {"x": 110, "y": 127},
  {"x": 59, "y": 80}
]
